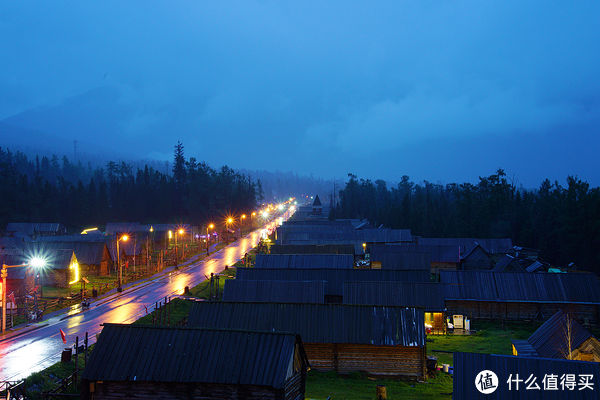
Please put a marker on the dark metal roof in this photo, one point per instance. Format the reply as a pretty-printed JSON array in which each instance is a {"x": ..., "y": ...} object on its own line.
[
  {"x": 524, "y": 348},
  {"x": 318, "y": 323},
  {"x": 274, "y": 291},
  {"x": 492, "y": 246},
  {"x": 437, "y": 253},
  {"x": 521, "y": 286},
  {"x": 312, "y": 249},
  {"x": 429, "y": 296},
  {"x": 468, "y": 365},
  {"x": 397, "y": 257},
  {"x": 160, "y": 354},
  {"x": 335, "y": 278},
  {"x": 32, "y": 228},
  {"x": 550, "y": 339},
  {"x": 317, "y": 201},
  {"x": 304, "y": 261},
  {"x": 87, "y": 252}
]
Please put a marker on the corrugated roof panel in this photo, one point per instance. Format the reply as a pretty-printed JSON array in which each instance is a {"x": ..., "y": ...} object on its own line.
[
  {"x": 318, "y": 323},
  {"x": 312, "y": 249},
  {"x": 550, "y": 339},
  {"x": 398, "y": 257},
  {"x": 467, "y": 366},
  {"x": 159, "y": 354},
  {"x": 304, "y": 261},
  {"x": 429, "y": 296},
  {"x": 274, "y": 291},
  {"x": 493, "y": 246},
  {"x": 335, "y": 278}
]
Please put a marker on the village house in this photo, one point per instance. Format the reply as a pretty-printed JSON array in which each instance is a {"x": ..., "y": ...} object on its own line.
[
  {"x": 426, "y": 296},
  {"x": 62, "y": 269},
  {"x": 383, "y": 256},
  {"x": 19, "y": 280},
  {"x": 92, "y": 252},
  {"x": 312, "y": 249},
  {"x": 561, "y": 336},
  {"x": 274, "y": 291},
  {"x": 137, "y": 361},
  {"x": 344, "y": 261},
  {"x": 344, "y": 338},
  {"x": 334, "y": 278},
  {"x": 33, "y": 230},
  {"x": 521, "y": 295}
]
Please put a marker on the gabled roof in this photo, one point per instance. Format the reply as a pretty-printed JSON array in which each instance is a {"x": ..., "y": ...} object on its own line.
[
  {"x": 318, "y": 323},
  {"x": 87, "y": 252},
  {"x": 521, "y": 287},
  {"x": 33, "y": 228},
  {"x": 467, "y": 367},
  {"x": 398, "y": 257},
  {"x": 429, "y": 296},
  {"x": 274, "y": 291},
  {"x": 317, "y": 202},
  {"x": 437, "y": 253},
  {"x": 550, "y": 339},
  {"x": 492, "y": 246},
  {"x": 312, "y": 249},
  {"x": 335, "y": 278},
  {"x": 183, "y": 355},
  {"x": 508, "y": 263},
  {"x": 304, "y": 261}
]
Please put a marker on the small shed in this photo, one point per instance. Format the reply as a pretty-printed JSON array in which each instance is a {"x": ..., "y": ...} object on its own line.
[
  {"x": 561, "y": 336},
  {"x": 378, "y": 340},
  {"x": 275, "y": 291},
  {"x": 522, "y": 378},
  {"x": 476, "y": 258},
  {"x": 137, "y": 361}
]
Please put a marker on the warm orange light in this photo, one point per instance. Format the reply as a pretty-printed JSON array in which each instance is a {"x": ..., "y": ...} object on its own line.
[
  {"x": 211, "y": 226},
  {"x": 181, "y": 231},
  {"x": 243, "y": 216},
  {"x": 253, "y": 214},
  {"x": 229, "y": 220},
  {"x": 170, "y": 234},
  {"x": 124, "y": 238}
]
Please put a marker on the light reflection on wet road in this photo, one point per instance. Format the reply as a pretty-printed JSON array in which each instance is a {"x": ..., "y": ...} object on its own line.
[{"x": 38, "y": 349}]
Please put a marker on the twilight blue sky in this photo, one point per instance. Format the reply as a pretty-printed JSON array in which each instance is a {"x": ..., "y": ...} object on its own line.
[{"x": 437, "y": 90}]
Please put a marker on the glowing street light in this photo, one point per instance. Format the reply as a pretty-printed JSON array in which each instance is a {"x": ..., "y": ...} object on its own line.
[
  {"x": 34, "y": 262},
  {"x": 209, "y": 226},
  {"x": 180, "y": 231},
  {"x": 120, "y": 277}
]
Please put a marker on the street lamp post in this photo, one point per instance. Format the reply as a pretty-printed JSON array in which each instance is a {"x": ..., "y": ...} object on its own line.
[
  {"x": 242, "y": 218},
  {"x": 35, "y": 262},
  {"x": 228, "y": 222},
  {"x": 120, "y": 276},
  {"x": 209, "y": 226},
  {"x": 180, "y": 231}
]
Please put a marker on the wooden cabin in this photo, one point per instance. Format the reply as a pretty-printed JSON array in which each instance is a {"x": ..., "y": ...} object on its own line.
[
  {"x": 378, "y": 340},
  {"x": 521, "y": 295},
  {"x": 561, "y": 336},
  {"x": 137, "y": 361},
  {"x": 428, "y": 296},
  {"x": 62, "y": 270}
]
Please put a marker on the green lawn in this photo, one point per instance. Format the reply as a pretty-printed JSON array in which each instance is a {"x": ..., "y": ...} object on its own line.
[
  {"x": 356, "y": 386},
  {"x": 490, "y": 338}
]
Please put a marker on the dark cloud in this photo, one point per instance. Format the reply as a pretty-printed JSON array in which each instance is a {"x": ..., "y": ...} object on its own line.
[{"x": 437, "y": 90}]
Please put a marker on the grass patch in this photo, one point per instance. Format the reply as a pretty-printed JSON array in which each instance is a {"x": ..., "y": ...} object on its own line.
[
  {"x": 320, "y": 385},
  {"x": 490, "y": 338},
  {"x": 175, "y": 313},
  {"x": 202, "y": 291}
]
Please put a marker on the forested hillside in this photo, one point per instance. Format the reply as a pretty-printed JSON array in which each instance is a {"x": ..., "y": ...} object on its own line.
[
  {"x": 563, "y": 222},
  {"x": 56, "y": 190}
]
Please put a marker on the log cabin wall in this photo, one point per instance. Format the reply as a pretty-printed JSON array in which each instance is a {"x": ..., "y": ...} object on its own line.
[
  {"x": 376, "y": 360},
  {"x": 520, "y": 311}
]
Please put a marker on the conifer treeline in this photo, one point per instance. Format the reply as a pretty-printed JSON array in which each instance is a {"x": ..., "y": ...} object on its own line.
[
  {"x": 56, "y": 190},
  {"x": 563, "y": 222}
]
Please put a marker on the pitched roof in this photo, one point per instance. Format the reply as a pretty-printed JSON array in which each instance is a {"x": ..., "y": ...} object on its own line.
[
  {"x": 429, "y": 296},
  {"x": 437, "y": 253},
  {"x": 87, "y": 252},
  {"x": 32, "y": 228},
  {"x": 318, "y": 323},
  {"x": 492, "y": 246},
  {"x": 398, "y": 257},
  {"x": 335, "y": 278},
  {"x": 312, "y": 249},
  {"x": 550, "y": 339},
  {"x": 317, "y": 201},
  {"x": 304, "y": 261},
  {"x": 160, "y": 354},
  {"x": 274, "y": 291},
  {"x": 521, "y": 286},
  {"x": 467, "y": 366}
]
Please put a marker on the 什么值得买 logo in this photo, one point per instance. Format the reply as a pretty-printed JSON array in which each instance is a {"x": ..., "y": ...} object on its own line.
[{"x": 486, "y": 381}]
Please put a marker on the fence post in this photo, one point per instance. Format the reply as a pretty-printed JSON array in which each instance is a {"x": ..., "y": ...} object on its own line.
[
  {"x": 86, "y": 350},
  {"x": 76, "y": 359}
]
